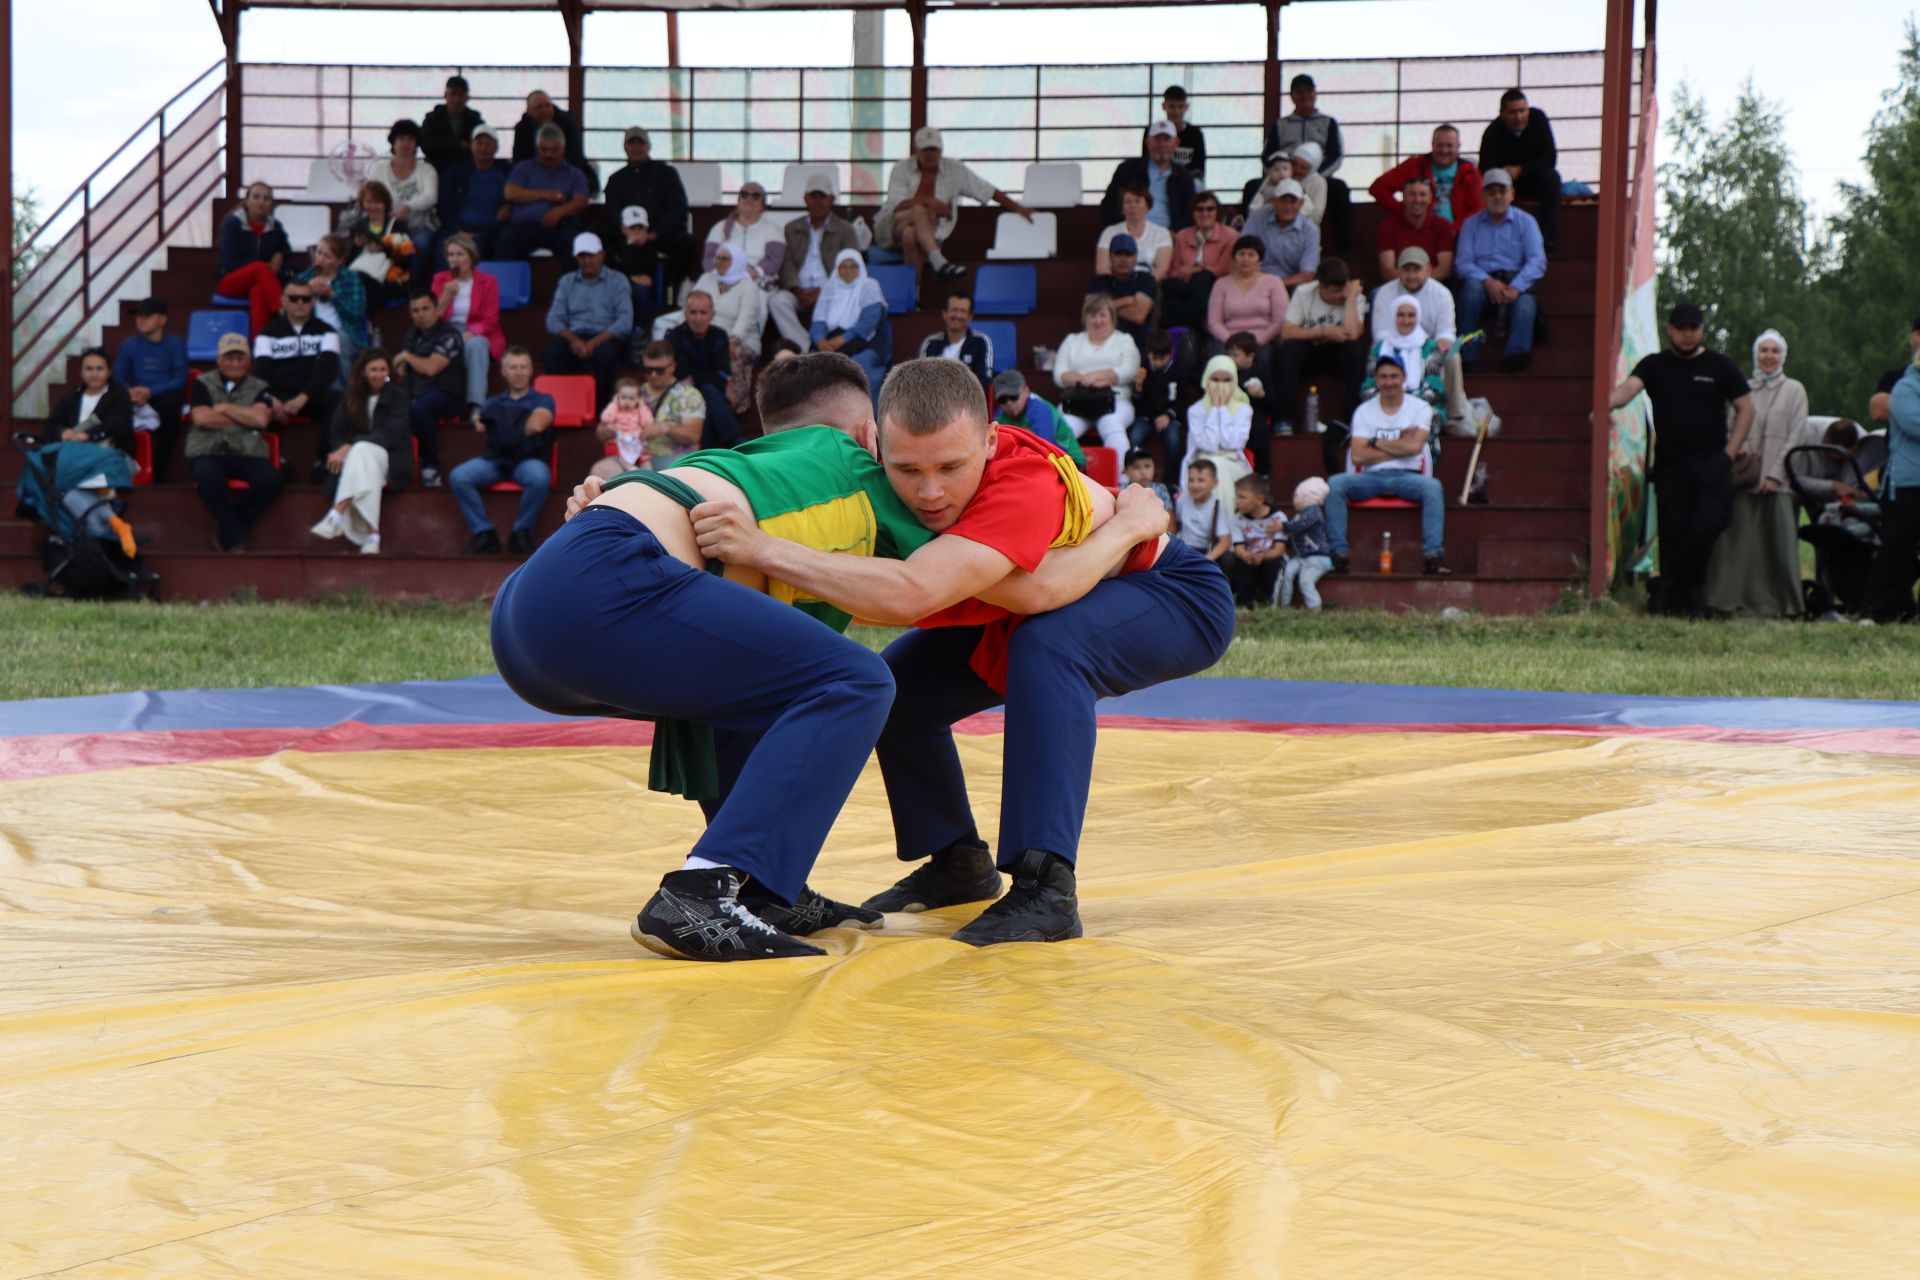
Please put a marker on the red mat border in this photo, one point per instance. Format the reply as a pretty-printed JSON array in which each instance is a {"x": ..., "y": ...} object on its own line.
[{"x": 57, "y": 754}]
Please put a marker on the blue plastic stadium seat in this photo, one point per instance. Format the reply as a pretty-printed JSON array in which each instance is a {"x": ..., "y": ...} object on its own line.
[
  {"x": 1005, "y": 340},
  {"x": 876, "y": 253},
  {"x": 897, "y": 283},
  {"x": 516, "y": 282},
  {"x": 222, "y": 300},
  {"x": 206, "y": 328},
  {"x": 1005, "y": 289}
]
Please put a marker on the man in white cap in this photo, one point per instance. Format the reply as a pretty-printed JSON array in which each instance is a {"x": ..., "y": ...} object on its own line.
[
  {"x": 1291, "y": 241},
  {"x": 922, "y": 200},
  {"x": 1166, "y": 180},
  {"x": 655, "y": 186},
  {"x": 591, "y": 316},
  {"x": 813, "y": 245}
]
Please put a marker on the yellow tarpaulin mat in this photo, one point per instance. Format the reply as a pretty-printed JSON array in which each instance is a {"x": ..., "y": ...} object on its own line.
[{"x": 1362, "y": 1006}]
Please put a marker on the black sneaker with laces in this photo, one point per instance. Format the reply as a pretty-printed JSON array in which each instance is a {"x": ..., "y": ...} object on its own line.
[
  {"x": 961, "y": 872},
  {"x": 949, "y": 271},
  {"x": 1041, "y": 906},
  {"x": 485, "y": 543},
  {"x": 810, "y": 912},
  {"x": 697, "y": 915},
  {"x": 520, "y": 542},
  {"x": 1435, "y": 567}
]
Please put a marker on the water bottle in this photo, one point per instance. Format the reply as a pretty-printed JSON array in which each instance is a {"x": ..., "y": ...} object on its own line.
[
  {"x": 1312, "y": 417},
  {"x": 1386, "y": 553}
]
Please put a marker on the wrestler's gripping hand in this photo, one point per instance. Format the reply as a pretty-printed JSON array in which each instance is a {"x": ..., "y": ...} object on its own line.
[
  {"x": 728, "y": 534},
  {"x": 583, "y": 494},
  {"x": 1142, "y": 508}
]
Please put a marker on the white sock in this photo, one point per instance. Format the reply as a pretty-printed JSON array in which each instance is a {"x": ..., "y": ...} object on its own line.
[
  {"x": 333, "y": 516},
  {"x": 695, "y": 862},
  {"x": 938, "y": 259}
]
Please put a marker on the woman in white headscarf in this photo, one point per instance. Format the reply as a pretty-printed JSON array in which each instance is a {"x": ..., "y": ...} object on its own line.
[
  {"x": 1306, "y": 171},
  {"x": 1218, "y": 424},
  {"x": 1409, "y": 342},
  {"x": 1756, "y": 563},
  {"x": 740, "y": 308},
  {"x": 851, "y": 318}
]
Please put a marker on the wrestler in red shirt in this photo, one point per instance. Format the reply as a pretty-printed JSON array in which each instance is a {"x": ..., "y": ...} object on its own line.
[{"x": 1005, "y": 498}]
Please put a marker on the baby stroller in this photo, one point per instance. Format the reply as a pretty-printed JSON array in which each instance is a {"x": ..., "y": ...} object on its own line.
[
  {"x": 1844, "y": 535},
  {"x": 74, "y": 488}
]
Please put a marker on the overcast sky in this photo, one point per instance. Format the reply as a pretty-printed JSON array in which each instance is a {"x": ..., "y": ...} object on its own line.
[{"x": 88, "y": 72}]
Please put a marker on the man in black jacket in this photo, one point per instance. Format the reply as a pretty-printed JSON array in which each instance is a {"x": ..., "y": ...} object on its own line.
[
  {"x": 526, "y": 141},
  {"x": 298, "y": 356},
  {"x": 957, "y": 340},
  {"x": 446, "y": 134},
  {"x": 1521, "y": 142},
  {"x": 655, "y": 186},
  {"x": 704, "y": 357},
  {"x": 1170, "y": 184}
]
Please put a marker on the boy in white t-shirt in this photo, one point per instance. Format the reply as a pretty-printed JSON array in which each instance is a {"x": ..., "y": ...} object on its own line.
[{"x": 1389, "y": 456}]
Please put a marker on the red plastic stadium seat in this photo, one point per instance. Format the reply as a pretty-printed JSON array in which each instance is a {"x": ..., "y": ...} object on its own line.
[
  {"x": 1383, "y": 503},
  {"x": 143, "y": 457},
  {"x": 273, "y": 458},
  {"x": 553, "y": 467},
  {"x": 1103, "y": 465},
  {"x": 573, "y": 397}
]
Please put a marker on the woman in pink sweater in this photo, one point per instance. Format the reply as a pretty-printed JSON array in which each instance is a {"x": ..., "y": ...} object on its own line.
[{"x": 1249, "y": 300}]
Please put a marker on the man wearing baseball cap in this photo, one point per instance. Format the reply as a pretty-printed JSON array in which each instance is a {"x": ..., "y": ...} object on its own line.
[
  {"x": 473, "y": 192},
  {"x": 653, "y": 185},
  {"x": 1290, "y": 240},
  {"x": 1190, "y": 145},
  {"x": 1166, "y": 180},
  {"x": 813, "y": 246},
  {"x": 1015, "y": 405},
  {"x": 922, "y": 201},
  {"x": 590, "y": 319},
  {"x": 1389, "y": 456},
  {"x": 1690, "y": 387},
  {"x": 229, "y": 413},
  {"x": 1499, "y": 257},
  {"x": 446, "y": 135}
]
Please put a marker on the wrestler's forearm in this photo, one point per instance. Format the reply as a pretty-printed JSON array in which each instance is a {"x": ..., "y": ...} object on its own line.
[
  {"x": 895, "y": 593},
  {"x": 1068, "y": 573}
]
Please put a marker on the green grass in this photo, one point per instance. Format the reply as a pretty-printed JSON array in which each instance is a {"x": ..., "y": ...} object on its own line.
[{"x": 57, "y": 648}]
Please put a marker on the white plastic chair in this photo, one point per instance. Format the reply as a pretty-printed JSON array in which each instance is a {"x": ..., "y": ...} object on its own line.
[
  {"x": 702, "y": 180},
  {"x": 1052, "y": 186},
  {"x": 1015, "y": 237},
  {"x": 304, "y": 223},
  {"x": 325, "y": 186},
  {"x": 793, "y": 189}
]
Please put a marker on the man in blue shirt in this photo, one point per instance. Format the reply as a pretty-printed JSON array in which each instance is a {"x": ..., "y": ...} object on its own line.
[
  {"x": 1497, "y": 259},
  {"x": 590, "y": 319},
  {"x": 517, "y": 425},
  {"x": 547, "y": 196},
  {"x": 153, "y": 368},
  {"x": 473, "y": 193},
  {"x": 1292, "y": 242}
]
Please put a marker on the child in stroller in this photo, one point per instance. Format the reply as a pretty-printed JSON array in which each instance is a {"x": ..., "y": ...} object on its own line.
[
  {"x": 1833, "y": 482},
  {"x": 74, "y": 488}
]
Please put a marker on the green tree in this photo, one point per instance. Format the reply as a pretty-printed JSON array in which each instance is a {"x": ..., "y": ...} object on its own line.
[
  {"x": 1864, "y": 295},
  {"x": 26, "y": 221},
  {"x": 1734, "y": 227}
]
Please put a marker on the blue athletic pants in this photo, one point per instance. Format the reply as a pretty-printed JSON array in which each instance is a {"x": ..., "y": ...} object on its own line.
[
  {"x": 1173, "y": 620},
  {"x": 601, "y": 621}
]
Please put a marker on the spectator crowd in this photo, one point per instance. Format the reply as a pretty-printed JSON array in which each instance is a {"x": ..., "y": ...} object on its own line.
[{"x": 1208, "y": 328}]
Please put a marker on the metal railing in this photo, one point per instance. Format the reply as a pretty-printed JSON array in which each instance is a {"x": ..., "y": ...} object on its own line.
[
  {"x": 89, "y": 253},
  {"x": 754, "y": 122}
]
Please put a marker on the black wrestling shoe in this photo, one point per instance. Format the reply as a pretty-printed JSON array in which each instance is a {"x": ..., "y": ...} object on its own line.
[
  {"x": 961, "y": 872},
  {"x": 1041, "y": 906},
  {"x": 697, "y": 915},
  {"x": 810, "y": 912}
]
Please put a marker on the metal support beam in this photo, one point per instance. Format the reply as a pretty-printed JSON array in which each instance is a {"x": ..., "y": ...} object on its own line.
[
  {"x": 6, "y": 221},
  {"x": 228, "y": 15},
  {"x": 1270, "y": 75},
  {"x": 573, "y": 15},
  {"x": 917, "y": 84},
  {"x": 1609, "y": 275}
]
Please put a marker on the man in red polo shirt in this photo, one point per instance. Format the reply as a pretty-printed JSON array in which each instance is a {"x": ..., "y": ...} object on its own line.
[
  {"x": 1415, "y": 225},
  {"x": 1001, "y": 498}
]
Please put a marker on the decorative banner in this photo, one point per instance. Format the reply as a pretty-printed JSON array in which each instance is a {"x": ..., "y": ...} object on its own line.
[{"x": 1629, "y": 524}]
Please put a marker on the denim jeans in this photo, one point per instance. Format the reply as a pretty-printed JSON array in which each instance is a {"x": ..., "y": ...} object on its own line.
[
  {"x": 471, "y": 476},
  {"x": 1411, "y": 485},
  {"x": 1476, "y": 307}
]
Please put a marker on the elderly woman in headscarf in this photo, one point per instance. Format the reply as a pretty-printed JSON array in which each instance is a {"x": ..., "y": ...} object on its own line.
[
  {"x": 1218, "y": 424},
  {"x": 1756, "y": 563},
  {"x": 739, "y": 308},
  {"x": 1306, "y": 171},
  {"x": 851, "y": 318},
  {"x": 1410, "y": 343}
]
